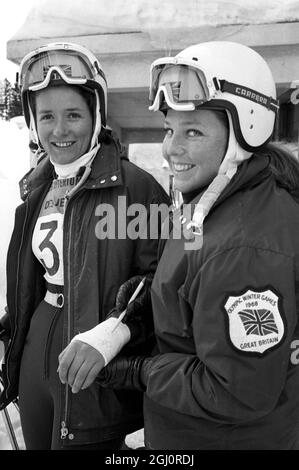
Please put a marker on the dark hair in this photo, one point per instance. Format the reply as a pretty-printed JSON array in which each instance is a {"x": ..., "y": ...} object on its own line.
[
  {"x": 284, "y": 167},
  {"x": 222, "y": 114},
  {"x": 89, "y": 96}
]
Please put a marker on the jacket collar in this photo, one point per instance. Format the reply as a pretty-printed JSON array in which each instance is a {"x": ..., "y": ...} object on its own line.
[
  {"x": 105, "y": 171},
  {"x": 249, "y": 173}
]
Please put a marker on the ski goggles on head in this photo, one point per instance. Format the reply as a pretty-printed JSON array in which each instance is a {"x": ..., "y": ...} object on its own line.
[
  {"x": 44, "y": 65},
  {"x": 177, "y": 85}
]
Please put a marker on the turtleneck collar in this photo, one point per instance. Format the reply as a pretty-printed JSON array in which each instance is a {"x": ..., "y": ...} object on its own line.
[{"x": 71, "y": 169}]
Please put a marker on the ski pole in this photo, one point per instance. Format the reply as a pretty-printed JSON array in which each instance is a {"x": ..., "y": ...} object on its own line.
[
  {"x": 8, "y": 423},
  {"x": 136, "y": 292},
  {"x": 10, "y": 429}
]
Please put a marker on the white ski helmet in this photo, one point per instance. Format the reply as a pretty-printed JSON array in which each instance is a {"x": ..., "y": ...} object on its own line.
[
  {"x": 219, "y": 75},
  {"x": 63, "y": 63}
]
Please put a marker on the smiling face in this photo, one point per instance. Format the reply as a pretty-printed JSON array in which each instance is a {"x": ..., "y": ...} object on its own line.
[
  {"x": 194, "y": 146},
  {"x": 64, "y": 123}
]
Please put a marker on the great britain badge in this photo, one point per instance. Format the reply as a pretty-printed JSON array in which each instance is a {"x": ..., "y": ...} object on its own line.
[{"x": 255, "y": 321}]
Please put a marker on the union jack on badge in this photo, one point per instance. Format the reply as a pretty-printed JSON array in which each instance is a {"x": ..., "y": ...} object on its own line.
[{"x": 255, "y": 322}]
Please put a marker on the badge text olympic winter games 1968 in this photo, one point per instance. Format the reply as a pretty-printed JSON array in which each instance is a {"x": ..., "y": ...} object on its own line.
[{"x": 255, "y": 322}]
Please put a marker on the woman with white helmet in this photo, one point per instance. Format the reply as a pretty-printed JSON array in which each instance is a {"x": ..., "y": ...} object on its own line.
[
  {"x": 63, "y": 277},
  {"x": 225, "y": 294}
]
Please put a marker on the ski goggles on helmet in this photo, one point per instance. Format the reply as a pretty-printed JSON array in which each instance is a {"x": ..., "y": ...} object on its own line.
[
  {"x": 178, "y": 84},
  {"x": 66, "y": 62}
]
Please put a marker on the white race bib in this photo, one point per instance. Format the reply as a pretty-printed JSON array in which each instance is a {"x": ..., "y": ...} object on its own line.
[{"x": 47, "y": 240}]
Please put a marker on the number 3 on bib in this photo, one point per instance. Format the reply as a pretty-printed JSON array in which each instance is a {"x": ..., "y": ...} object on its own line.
[{"x": 46, "y": 243}]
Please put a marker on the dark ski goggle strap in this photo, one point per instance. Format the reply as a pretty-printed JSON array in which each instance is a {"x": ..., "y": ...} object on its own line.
[{"x": 247, "y": 93}]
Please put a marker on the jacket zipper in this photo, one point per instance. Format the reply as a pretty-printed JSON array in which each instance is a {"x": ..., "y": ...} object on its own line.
[
  {"x": 64, "y": 429},
  {"x": 16, "y": 296}
]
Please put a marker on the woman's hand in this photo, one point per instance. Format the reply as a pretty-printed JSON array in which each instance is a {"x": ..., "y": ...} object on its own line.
[{"x": 79, "y": 365}]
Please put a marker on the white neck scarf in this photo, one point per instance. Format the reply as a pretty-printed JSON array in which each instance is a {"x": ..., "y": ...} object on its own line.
[
  {"x": 71, "y": 169},
  {"x": 234, "y": 156}
]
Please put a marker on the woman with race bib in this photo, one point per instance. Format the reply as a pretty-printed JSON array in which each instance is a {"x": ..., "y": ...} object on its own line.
[{"x": 63, "y": 277}]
